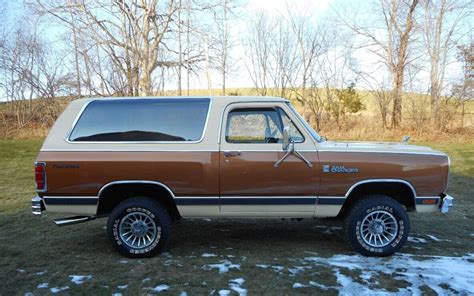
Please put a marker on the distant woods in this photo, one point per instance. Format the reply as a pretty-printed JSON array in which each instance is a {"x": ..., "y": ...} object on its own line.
[{"x": 145, "y": 47}]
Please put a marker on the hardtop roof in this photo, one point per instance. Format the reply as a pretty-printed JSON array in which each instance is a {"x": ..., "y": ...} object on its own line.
[{"x": 226, "y": 98}]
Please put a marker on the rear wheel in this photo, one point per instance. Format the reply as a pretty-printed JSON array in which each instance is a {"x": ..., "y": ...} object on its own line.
[
  {"x": 377, "y": 226},
  {"x": 139, "y": 227}
]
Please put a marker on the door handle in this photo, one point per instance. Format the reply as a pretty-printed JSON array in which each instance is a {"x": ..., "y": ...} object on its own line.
[{"x": 231, "y": 153}]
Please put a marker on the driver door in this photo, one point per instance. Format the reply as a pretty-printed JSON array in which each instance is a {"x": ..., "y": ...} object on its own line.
[{"x": 250, "y": 145}]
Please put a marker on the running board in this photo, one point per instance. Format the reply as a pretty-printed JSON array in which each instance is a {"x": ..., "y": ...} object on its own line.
[{"x": 73, "y": 220}]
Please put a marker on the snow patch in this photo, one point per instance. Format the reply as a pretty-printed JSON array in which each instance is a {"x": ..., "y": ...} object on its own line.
[
  {"x": 223, "y": 267},
  {"x": 415, "y": 239},
  {"x": 264, "y": 266},
  {"x": 41, "y": 272},
  {"x": 224, "y": 292},
  {"x": 436, "y": 272},
  {"x": 208, "y": 255},
  {"x": 123, "y": 261},
  {"x": 79, "y": 279},
  {"x": 20, "y": 270},
  {"x": 322, "y": 287},
  {"x": 238, "y": 281},
  {"x": 277, "y": 268},
  {"x": 122, "y": 287},
  {"x": 42, "y": 286},
  {"x": 295, "y": 270},
  {"x": 160, "y": 288},
  {"x": 313, "y": 284},
  {"x": 146, "y": 280},
  {"x": 60, "y": 289},
  {"x": 236, "y": 284},
  {"x": 437, "y": 239}
]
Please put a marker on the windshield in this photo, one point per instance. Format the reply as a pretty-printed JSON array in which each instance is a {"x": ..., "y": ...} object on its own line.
[{"x": 308, "y": 127}]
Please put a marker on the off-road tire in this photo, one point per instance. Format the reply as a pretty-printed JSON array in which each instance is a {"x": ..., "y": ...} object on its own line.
[
  {"x": 147, "y": 209},
  {"x": 355, "y": 223}
]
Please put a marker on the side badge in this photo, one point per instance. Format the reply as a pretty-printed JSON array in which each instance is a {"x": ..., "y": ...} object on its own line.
[
  {"x": 326, "y": 168},
  {"x": 338, "y": 169}
]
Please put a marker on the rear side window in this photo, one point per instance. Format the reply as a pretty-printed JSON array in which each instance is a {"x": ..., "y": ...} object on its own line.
[{"x": 132, "y": 120}]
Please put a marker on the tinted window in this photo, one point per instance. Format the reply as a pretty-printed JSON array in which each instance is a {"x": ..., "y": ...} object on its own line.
[
  {"x": 142, "y": 120},
  {"x": 259, "y": 125}
]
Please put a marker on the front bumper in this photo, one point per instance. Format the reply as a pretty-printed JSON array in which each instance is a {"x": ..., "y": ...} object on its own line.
[
  {"x": 37, "y": 205},
  {"x": 446, "y": 203}
]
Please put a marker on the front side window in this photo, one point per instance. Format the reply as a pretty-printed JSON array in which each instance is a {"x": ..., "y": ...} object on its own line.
[
  {"x": 132, "y": 120},
  {"x": 259, "y": 125}
]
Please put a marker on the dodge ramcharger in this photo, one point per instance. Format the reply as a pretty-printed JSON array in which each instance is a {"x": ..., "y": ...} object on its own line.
[{"x": 146, "y": 162}]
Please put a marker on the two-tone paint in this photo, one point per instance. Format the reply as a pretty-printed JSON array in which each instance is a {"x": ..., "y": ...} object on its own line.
[{"x": 210, "y": 177}]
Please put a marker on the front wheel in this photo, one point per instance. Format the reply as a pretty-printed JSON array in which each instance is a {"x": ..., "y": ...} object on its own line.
[
  {"x": 377, "y": 226},
  {"x": 139, "y": 227}
]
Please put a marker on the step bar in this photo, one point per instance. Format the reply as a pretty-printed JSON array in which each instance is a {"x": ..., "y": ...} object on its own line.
[{"x": 73, "y": 220}]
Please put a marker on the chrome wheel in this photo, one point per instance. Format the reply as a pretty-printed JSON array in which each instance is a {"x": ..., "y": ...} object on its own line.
[
  {"x": 379, "y": 228},
  {"x": 137, "y": 230}
]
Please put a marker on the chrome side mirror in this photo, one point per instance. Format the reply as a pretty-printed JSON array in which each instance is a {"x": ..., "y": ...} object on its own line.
[{"x": 286, "y": 137}]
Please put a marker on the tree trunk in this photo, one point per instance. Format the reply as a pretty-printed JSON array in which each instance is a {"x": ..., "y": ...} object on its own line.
[{"x": 397, "y": 100}]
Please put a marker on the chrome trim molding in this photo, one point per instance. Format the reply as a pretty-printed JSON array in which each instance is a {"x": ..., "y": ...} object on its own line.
[
  {"x": 224, "y": 111},
  {"x": 135, "y": 182},
  {"x": 381, "y": 181},
  {"x": 384, "y": 151},
  {"x": 68, "y": 137}
]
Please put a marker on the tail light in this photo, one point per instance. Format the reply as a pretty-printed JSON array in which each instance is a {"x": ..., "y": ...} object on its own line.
[{"x": 40, "y": 176}]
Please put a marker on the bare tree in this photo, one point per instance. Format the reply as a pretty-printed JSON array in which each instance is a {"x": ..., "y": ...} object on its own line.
[
  {"x": 131, "y": 33},
  {"x": 393, "y": 47},
  {"x": 224, "y": 41},
  {"x": 311, "y": 44},
  {"x": 284, "y": 57},
  {"x": 441, "y": 30},
  {"x": 27, "y": 71},
  {"x": 463, "y": 92},
  {"x": 258, "y": 46}
]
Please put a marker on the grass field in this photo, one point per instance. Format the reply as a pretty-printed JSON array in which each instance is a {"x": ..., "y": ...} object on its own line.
[{"x": 271, "y": 257}]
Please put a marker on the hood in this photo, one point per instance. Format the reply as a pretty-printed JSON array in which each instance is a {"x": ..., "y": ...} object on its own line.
[{"x": 385, "y": 147}]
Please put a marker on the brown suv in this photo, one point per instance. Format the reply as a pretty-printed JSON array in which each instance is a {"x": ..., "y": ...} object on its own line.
[{"x": 145, "y": 162}]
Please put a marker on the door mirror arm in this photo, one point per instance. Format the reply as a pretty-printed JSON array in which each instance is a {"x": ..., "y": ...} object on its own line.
[{"x": 289, "y": 147}]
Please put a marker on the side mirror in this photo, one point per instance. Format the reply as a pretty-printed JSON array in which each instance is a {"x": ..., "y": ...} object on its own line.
[{"x": 286, "y": 137}]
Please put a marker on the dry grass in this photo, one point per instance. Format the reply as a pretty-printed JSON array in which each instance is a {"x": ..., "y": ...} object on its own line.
[{"x": 365, "y": 125}]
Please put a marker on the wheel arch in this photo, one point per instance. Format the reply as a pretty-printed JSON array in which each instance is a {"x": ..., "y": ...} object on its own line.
[
  {"x": 112, "y": 193},
  {"x": 400, "y": 190}
]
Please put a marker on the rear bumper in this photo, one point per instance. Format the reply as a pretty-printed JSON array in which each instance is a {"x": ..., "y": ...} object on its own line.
[
  {"x": 37, "y": 205},
  {"x": 446, "y": 203}
]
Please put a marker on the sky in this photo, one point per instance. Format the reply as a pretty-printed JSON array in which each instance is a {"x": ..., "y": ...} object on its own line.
[{"x": 239, "y": 77}]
